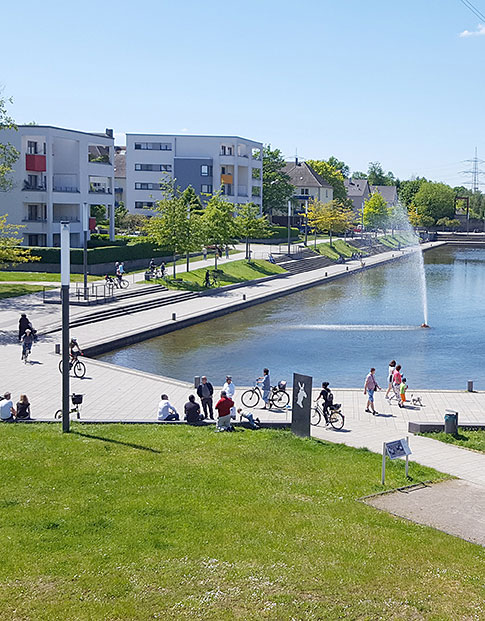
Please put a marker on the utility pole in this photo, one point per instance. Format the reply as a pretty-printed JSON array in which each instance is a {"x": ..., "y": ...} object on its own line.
[{"x": 475, "y": 172}]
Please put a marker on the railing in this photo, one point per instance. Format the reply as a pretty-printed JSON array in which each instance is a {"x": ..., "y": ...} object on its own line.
[
  {"x": 34, "y": 188},
  {"x": 37, "y": 219},
  {"x": 66, "y": 219},
  {"x": 93, "y": 294},
  {"x": 99, "y": 190},
  {"x": 64, "y": 188}
]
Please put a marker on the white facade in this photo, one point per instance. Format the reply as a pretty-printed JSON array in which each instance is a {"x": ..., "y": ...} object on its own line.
[
  {"x": 58, "y": 170},
  {"x": 207, "y": 163}
]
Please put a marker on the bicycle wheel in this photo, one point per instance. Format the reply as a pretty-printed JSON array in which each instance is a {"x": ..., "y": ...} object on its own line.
[
  {"x": 250, "y": 398},
  {"x": 58, "y": 414},
  {"x": 336, "y": 419},
  {"x": 280, "y": 399},
  {"x": 124, "y": 284},
  {"x": 316, "y": 417},
  {"x": 79, "y": 369}
]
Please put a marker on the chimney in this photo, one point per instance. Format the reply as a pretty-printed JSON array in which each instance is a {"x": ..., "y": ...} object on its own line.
[
  {"x": 109, "y": 133},
  {"x": 296, "y": 160}
]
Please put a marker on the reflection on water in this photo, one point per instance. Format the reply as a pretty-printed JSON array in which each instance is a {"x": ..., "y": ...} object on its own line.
[{"x": 338, "y": 330}]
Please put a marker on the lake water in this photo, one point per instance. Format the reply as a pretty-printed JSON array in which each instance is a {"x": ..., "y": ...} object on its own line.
[{"x": 337, "y": 331}]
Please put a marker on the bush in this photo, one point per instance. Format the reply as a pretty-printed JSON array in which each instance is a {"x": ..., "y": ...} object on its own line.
[
  {"x": 281, "y": 232},
  {"x": 106, "y": 254}
]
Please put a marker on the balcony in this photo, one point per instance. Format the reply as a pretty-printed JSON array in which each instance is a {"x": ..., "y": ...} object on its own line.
[
  {"x": 61, "y": 218},
  {"x": 226, "y": 179},
  {"x": 99, "y": 190},
  {"x": 35, "y": 163},
  {"x": 65, "y": 188},
  {"x": 99, "y": 159},
  {"x": 34, "y": 187},
  {"x": 34, "y": 219}
]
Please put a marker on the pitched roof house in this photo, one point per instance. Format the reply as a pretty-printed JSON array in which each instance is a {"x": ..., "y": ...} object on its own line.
[
  {"x": 388, "y": 193},
  {"x": 308, "y": 184},
  {"x": 358, "y": 190}
]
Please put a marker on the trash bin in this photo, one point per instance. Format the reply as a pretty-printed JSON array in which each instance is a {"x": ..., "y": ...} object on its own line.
[{"x": 451, "y": 422}]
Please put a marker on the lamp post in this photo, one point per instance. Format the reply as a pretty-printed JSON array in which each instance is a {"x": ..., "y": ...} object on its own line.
[
  {"x": 65, "y": 277},
  {"x": 306, "y": 222},
  {"x": 85, "y": 221},
  {"x": 289, "y": 228}
]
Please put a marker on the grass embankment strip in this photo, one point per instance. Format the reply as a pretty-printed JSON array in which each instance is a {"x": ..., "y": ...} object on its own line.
[
  {"x": 41, "y": 277},
  {"x": 228, "y": 274},
  {"x": 138, "y": 522},
  {"x": 12, "y": 291},
  {"x": 474, "y": 440},
  {"x": 399, "y": 240},
  {"x": 339, "y": 248}
]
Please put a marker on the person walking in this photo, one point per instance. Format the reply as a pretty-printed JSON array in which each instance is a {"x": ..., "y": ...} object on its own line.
[
  {"x": 390, "y": 373},
  {"x": 223, "y": 407},
  {"x": 370, "y": 387},
  {"x": 396, "y": 376},
  {"x": 230, "y": 391},
  {"x": 23, "y": 408},
  {"x": 205, "y": 390},
  {"x": 166, "y": 411},
  {"x": 192, "y": 411},
  {"x": 266, "y": 387},
  {"x": 204, "y": 253}
]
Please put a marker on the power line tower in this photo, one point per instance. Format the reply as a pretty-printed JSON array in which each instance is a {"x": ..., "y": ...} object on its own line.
[{"x": 475, "y": 172}]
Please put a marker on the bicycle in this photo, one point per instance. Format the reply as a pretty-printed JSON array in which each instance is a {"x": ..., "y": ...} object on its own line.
[
  {"x": 78, "y": 367},
  {"x": 117, "y": 283},
  {"x": 334, "y": 416},
  {"x": 278, "y": 398},
  {"x": 76, "y": 401}
]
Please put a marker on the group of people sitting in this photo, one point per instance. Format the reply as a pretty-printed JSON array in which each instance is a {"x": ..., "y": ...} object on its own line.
[{"x": 9, "y": 413}]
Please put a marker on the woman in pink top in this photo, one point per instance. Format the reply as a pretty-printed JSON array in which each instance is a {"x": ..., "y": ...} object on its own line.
[{"x": 397, "y": 377}]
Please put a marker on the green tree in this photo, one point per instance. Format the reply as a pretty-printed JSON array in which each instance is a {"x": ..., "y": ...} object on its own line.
[
  {"x": 398, "y": 217},
  {"x": 408, "y": 190},
  {"x": 377, "y": 176},
  {"x": 192, "y": 200},
  {"x": 121, "y": 213},
  {"x": 8, "y": 153},
  {"x": 277, "y": 186},
  {"x": 98, "y": 212},
  {"x": 339, "y": 165},
  {"x": 332, "y": 175},
  {"x": 219, "y": 223},
  {"x": 435, "y": 200},
  {"x": 332, "y": 217},
  {"x": 250, "y": 225},
  {"x": 420, "y": 220},
  {"x": 11, "y": 252},
  {"x": 376, "y": 213},
  {"x": 358, "y": 174}
]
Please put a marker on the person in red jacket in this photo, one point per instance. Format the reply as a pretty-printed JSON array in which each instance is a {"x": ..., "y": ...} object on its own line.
[{"x": 223, "y": 407}]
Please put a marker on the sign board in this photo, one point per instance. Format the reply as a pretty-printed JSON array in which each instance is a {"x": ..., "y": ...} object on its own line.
[
  {"x": 302, "y": 405},
  {"x": 398, "y": 448}
]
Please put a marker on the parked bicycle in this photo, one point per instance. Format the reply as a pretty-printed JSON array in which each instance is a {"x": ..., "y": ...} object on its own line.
[
  {"x": 334, "y": 417},
  {"x": 76, "y": 365},
  {"x": 278, "y": 397},
  {"x": 76, "y": 401},
  {"x": 117, "y": 283}
]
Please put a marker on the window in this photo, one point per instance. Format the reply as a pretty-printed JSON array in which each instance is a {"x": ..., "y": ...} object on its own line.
[
  {"x": 206, "y": 188},
  {"x": 205, "y": 171},
  {"x": 31, "y": 149},
  {"x": 143, "y": 205},
  {"x": 226, "y": 150},
  {"x": 148, "y": 186},
  {"x": 304, "y": 191},
  {"x": 154, "y": 167},
  {"x": 326, "y": 193},
  {"x": 153, "y": 146}
]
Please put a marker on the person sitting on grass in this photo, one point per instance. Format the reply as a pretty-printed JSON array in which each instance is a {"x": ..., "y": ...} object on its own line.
[
  {"x": 192, "y": 411},
  {"x": 254, "y": 422},
  {"x": 7, "y": 411},
  {"x": 166, "y": 411},
  {"x": 23, "y": 408},
  {"x": 223, "y": 407}
]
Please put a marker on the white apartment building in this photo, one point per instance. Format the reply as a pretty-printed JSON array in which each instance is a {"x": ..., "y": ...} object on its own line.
[
  {"x": 57, "y": 172},
  {"x": 207, "y": 163}
]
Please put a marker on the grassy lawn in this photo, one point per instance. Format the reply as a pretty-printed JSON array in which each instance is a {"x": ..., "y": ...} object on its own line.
[
  {"x": 393, "y": 241},
  {"x": 143, "y": 522},
  {"x": 228, "y": 273},
  {"x": 339, "y": 248},
  {"x": 474, "y": 440},
  {"x": 183, "y": 261},
  {"x": 40, "y": 277},
  {"x": 12, "y": 291}
]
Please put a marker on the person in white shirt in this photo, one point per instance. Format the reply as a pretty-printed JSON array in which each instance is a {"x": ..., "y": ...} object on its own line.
[
  {"x": 7, "y": 411},
  {"x": 230, "y": 389},
  {"x": 166, "y": 411}
]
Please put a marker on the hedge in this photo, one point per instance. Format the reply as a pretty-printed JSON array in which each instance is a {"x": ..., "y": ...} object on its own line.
[
  {"x": 281, "y": 232},
  {"x": 106, "y": 254}
]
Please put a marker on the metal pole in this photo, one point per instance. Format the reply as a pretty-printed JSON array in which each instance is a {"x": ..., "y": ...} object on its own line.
[
  {"x": 383, "y": 475},
  {"x": 85, "y": 222},
  {"x": 65, "y": 277},
  {"x": 306, "y": 222},
  {"x": 289, "y": 228},
  {"x": 407, "y": 460}
]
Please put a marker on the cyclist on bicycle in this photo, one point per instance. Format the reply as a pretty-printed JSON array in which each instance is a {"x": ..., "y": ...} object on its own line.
[
  {"x": 266, "y": 386},
  {"x": 327, "y": 396},
  {"x": 27, "y": 341},
  {"x": 74, "y": 349},
  {"x": 120, "y": 271}
]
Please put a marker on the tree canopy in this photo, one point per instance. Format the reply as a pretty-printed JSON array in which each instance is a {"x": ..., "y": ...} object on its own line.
[
  {"x": 250, "y": 225},
  {"x": 332, "y": 175},
  {"x": 434, "y": 200},
  {"x": 408, "y": 190},
  {"x": 219, "y": 222},
  {"x": 11, "y": 252},
  {"x": 332, "y": 217},
  {"x": 339, "y": 165},
  {"x": 277, "y": 186},
  {"x": 376, "y": 213},
  {"x": 377, "y": 176},
  {"x": 8, "y": 153}
]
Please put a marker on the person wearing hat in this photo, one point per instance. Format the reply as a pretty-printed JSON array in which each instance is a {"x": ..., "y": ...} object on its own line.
[{"x": 230, "y": 390}]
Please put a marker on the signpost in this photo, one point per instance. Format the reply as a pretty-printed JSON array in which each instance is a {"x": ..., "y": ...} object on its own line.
[
  {"x": 302, "y": 405},
  {"x": 395, "y": 450}
]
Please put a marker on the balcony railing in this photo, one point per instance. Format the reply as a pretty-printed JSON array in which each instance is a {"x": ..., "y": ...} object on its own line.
[
  {"x": 65, "y": 188},
  {"x": 58, "y": 218},
  {"x": 36, "y": 219},
  {"x": 34, "y": 187},
  {"x": 99, "y": 190}
]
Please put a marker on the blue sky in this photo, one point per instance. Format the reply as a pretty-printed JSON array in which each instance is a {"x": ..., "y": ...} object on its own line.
[{"x": 383, "y": 80}]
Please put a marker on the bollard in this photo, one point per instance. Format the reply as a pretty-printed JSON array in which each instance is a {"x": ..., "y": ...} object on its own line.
[
  {"x": 58, "y": 348},
  {"x": 244, "y": 296},
  {"x": 325, "y": 273},
  {"x": 196, "y": 381},
  {"x": 174, "y": 316},
  {"x": 451, "y": 422},
  {"x": 393, "y": 256},
  {"x": 470, "y": 386},
  {"x": 347, "y": 268}
]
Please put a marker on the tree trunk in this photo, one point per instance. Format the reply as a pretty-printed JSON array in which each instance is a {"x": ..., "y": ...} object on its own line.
[
  {"x": 188, "y": 262},
  {"x": 216, "y": 254},
  {"x": 174, "y": 265},
  {"x": 330, "y": 233}
]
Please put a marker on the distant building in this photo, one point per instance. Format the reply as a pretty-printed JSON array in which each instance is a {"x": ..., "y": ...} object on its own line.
[
  {"x": 120, "y": 175},
  {"x": 358, "y": 190},
  {"x": 388, "y": 193},
  {"x": 207, "y": 163},
  {"x": 58, "y": 170},
  {"x": 308, "y": 184}
]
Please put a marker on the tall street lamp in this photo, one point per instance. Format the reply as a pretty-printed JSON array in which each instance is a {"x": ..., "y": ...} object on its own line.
[
  {"x": 85, "y": 221},
  {"x": 306, "y": 222},
  {"x": 65, "y": 277},
  {"x": 289, "y": 228}
]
